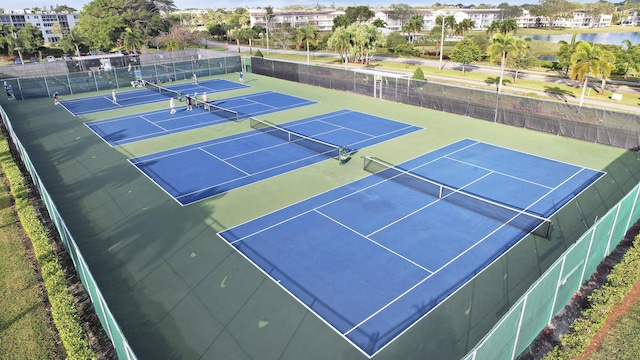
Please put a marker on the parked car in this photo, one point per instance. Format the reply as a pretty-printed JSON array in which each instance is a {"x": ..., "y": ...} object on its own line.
[
  {"x": 66, "y": 57},
  {"x": 51, "y": 58},
  {"x": 34, "y": 60},
  {"x": 17, "y": 61}
]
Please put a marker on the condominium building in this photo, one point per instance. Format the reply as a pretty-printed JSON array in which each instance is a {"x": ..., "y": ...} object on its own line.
[
  {"x": 42, "y": 20},
  {"x": 482, "y": 18}
]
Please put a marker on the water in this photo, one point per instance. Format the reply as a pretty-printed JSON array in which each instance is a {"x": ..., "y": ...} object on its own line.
[{"x": 613, "y": 38}]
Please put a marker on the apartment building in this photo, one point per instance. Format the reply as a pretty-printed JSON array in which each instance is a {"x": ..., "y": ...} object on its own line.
[
  {"x": 481, "y": 17},
  {"x": 42, "y": 20}
]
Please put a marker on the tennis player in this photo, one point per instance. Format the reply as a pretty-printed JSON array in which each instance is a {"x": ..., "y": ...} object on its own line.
[
  {"x": 205, "y": 100},
  {"x": 195, "y": 79},
  {"x": 113, "y": 97},
  {"x": 56, "y": 98},
  {"x": 241, "y": 77},
  {"x": 172, "y": 105},
  {"x": 189, "y": 104}
]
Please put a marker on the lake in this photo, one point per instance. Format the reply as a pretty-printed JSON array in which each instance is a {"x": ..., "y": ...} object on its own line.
[{"x": 613, "y": 38}]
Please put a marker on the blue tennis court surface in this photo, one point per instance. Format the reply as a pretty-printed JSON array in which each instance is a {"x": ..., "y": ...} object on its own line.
[
  {"x": 199, "y": 171},
  {"x": 127, "y": 129},
  {"x": 141, "y": 96},
  {"x": 374, "y": 256}
]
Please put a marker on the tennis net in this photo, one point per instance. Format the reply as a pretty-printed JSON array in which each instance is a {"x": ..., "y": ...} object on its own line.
[
  {"x": 162, "y": 90},
  {"x": 217, "y": 110},
  {"x": 316, "y": 145},
  {"x": 520, "y": 218}
]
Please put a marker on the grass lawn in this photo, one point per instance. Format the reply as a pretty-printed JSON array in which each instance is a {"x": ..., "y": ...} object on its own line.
[
  {"x": 555, "y": 91},
  {"x": 622, "y": 342},
  {"x": 24, "y": 318}
]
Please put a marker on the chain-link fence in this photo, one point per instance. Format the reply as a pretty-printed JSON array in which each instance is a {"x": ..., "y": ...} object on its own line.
[
  {"x": 553, "y": 290},
  {"x": 585, "y": 123},
  {"x": 107, "y": 319},
  {"x": 96, "y": 73}
]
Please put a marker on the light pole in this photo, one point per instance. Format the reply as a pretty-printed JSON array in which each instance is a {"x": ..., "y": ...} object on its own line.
[{"x": 441, "y": 43}]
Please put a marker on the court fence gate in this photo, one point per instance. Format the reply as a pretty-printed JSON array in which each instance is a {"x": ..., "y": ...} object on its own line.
[{"x": 556, "y": 117}]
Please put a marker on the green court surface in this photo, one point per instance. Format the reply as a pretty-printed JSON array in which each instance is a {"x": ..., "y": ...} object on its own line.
[{"x": 177, "y": 290}]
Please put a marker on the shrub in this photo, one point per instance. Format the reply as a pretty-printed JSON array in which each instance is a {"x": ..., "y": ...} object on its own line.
[{"x": 418, "y": 74}]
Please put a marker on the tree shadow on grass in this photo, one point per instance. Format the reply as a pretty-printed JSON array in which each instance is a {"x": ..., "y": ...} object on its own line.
[
  {"x": 495, "y": 80},
  {"x": 556, "y": 92}
]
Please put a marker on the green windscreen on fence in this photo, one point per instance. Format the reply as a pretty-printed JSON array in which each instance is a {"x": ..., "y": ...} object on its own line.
[{"x": 552, "y": 291}]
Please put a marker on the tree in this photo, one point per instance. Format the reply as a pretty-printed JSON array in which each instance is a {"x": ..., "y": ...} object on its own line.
[
  {"x": 359, "y": 14},
  {"x": 63, "y": 8},
  {"x": 628, "y": 57},
  {"x": 29, "y": 38},
  {"x": 379, "y": 23},
  {"x": 268, "y": 17},
  {"x": 413, "y": 26},
  {"x": 104, "y": 21},
  {"x": 466, "y": 25},
  {"x": 503, "y": 26},
  {"x": 73, "y": 41},
  {"x": 340, "y": 21},
  {"x": 444, "y": 22},
  {"x": 308, "y": 34},
  {"x": 595, "y": 10},
  {"x": 565, "y": 52},
  {"x": 406, "y": 51},
  {"x": 465, "y": 52},
  {"x": 507, "y": 11},
  {"x": 525, "y": 60},
  {"x": 8, "y": 39},
  {"x": 282, "y": 34},
  {"x": 357, "y": 42},
  {"x": 177, "y": 38},
  {"x": 133, "y": 38},
  {"x": 401, "y": 12},
  {"x": 552, "y": 10},
  {"x": 588, "y": 61},
  {"x": 503, "y": 46}
]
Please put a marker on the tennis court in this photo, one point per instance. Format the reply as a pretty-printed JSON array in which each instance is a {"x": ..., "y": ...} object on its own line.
[
  {"x": 140, "y": 96},
  {"x": 390, "y": 251},
  {"x": 127, "y": 129},
  {"x": 195, "y": 172}
]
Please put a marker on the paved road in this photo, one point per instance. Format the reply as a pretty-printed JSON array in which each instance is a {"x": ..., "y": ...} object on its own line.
[{"x": 625, "y": 88}]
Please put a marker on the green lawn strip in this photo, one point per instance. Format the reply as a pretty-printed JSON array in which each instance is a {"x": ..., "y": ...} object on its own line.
[
  {"x": 23, "y": 310},
  {"x": 63, "y": 310},
  {"x": 619, "y": 283},
  {"x": 623, "y": 339},
  {"x": 554, "y": 91}
]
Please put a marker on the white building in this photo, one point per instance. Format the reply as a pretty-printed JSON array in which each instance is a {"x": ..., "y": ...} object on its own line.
[
  {"x": 42, "y": 20},
  {"x": 632, "y": 18},
  {"x": 323, "y": 19},
  {"x": 481, "y": 17}
]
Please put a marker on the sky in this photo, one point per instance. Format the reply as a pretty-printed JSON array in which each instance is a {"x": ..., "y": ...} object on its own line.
[{"x": 231, "y": 4}]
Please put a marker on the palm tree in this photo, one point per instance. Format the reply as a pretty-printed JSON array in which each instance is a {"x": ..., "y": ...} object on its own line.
[
  {"x": 503, "y": 46},
  {"x": 340, "y": 41},
  {"x": 503, "y": 26},
  {"x": 444, "y": 22},
  {"x": 379, "y": 23},
  {"x": 132, "y": 38},
  {"x": 565, "y": 52},
  {"x": 588, "y": 60},
  {"x": 414, "y": 26},
  {"x": 73, "y": 40},
  {"x": 466, "y": 25},
  {"x": 308, "y": 34},
  {"x": 608, "y": 62},
  {"x": 508, "y": 25},
  {"x": 269, "y": 15}
]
